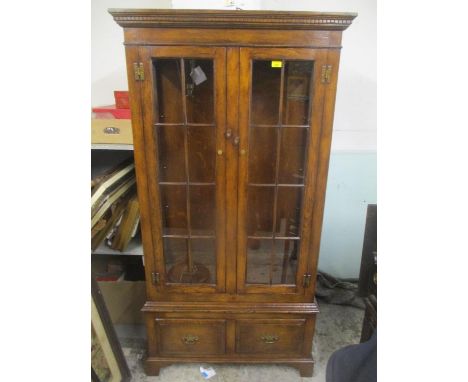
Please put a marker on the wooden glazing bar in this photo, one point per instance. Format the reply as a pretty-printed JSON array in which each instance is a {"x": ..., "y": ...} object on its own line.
[
  {"x": 261, "y": 125},
  {"x": 276, "y": 237},
  {"x": 186, "y": 124},
  {"x": 276, "y": 185},
  {"x": 185, "y": 183}
]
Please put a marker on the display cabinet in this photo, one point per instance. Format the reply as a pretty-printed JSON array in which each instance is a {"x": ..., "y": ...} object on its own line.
[{"x": 232, "y": 117}]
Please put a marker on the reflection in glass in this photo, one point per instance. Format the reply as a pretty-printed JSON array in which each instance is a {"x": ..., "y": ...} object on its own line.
[
  {"x": 262, "y": 154},
  {"x": 266, "y": 82},
  {"x": 199, "y": 268},
  {"x": 202, "y": 210},
  {"x": 201, "y": 153},
  {"x": 272, "y": 261},
  {"x": 260, "y": 211},
  {"x": 199, "y": 90},
  {"x": 171, "y": 153},
  {"x": 168, "y": 90},
  {"x": 173, "y": 206},
  {"x": 288, "y": 211},
  {"x": 293, "y": 148},
  {"x": 296, "y": 92}
]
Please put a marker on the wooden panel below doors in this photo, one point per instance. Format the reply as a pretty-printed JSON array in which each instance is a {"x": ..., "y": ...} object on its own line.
[
  {"x": 191, "y": 337},
  {"x": 270, "y": 337}
]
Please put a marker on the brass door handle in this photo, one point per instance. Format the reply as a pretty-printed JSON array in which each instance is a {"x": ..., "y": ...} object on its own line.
[
  {"x": 189, "y": 339},
  {"x": 270, "y": 339}
]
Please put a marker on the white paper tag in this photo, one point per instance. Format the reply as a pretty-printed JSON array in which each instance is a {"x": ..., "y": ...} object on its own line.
[
  {"x": 198, "y": 75},
  {"x": 207, "y": 373}
]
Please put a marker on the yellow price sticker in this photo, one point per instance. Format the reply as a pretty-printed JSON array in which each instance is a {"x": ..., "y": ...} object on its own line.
[{"x": 277, "y": 64}]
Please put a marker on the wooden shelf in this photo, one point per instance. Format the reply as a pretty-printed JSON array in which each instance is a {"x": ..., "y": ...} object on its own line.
[
  {"x": 134, "y": 248},
  {"x": 110, "y": 146}
]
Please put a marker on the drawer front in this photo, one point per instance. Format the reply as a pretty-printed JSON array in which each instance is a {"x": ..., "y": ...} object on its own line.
[
  {"x": 118, "y": 131},
  {"x": 191, "y": 337},
  {"x": 279, "y": 336}
]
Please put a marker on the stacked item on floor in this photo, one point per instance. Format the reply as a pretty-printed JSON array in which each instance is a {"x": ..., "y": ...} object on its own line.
[{"x": 115, "y": 213}]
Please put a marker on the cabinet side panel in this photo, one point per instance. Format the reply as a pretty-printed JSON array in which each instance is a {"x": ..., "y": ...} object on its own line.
[
  {"x": 333, "y": 59},
  {"x": 132, "y": 56}
]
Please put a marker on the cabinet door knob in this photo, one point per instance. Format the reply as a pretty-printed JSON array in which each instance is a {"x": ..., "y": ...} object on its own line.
[
  {"x": 236, "y": 141},
  {"x": 228, "y": 133}
]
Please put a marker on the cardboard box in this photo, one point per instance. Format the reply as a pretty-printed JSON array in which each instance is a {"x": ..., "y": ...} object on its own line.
[
  {"x": 117, "y": 131},
  {"x": 124, "y": 300}
]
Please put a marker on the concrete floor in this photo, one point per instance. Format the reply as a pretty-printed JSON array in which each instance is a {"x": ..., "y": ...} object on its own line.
[{"x": 337, "y": 326}]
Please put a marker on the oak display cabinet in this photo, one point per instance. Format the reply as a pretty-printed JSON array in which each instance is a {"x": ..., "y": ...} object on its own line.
[{"x": 232, "y": 116}]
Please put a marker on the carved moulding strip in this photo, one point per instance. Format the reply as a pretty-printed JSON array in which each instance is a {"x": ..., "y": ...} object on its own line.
[{"x": 165, "y": 18}]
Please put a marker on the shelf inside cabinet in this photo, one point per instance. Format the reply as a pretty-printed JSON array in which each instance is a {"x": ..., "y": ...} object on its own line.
[
  {"x": 134, "y": 248},
  {"x": 110, "y": 146}
]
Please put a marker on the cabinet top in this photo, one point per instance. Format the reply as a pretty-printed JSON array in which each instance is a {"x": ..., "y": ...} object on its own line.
[{"x": 174, "y": 18}]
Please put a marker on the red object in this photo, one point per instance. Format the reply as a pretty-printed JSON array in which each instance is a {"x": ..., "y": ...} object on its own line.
[
  {"x": 121, "y": 99},
  {"x": 116, "y": 113}
]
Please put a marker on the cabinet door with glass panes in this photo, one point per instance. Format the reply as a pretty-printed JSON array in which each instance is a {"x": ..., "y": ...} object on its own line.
[
  {"x": 280, "y": 113},
  {"x": 184, "y": 122}
]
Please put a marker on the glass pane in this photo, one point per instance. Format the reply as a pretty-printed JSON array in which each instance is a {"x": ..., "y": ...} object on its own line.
[
  {"x": 292, "y": 155},
  {"x": 262, "y": 154},
  {"x": 202, "y": 149},
  {"x": 260, "y": 202},
  {"x": 288, "y": 211},
  {"x": 202, "y": 210},
  {"x": 266, "y": 82},
  {"x": 175, "y": 252},
  {"x": 258, "y": 261},
  {"x": 200, "y": 269},
  {"x": 204, "y": 259},
  {"x": 199, "y": 90},
  {"x": 284, "y": 264},
  {"x": 168, "y": 90},
  {"x": 173, "y": 205},
  {"x": 279, "y": 263},
  {"x": 171, "y": 153},
  {"x": 296, "y": 97}
]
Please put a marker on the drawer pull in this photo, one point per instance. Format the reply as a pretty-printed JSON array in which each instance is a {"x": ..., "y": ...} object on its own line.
[
  {"x": 111, "y": 130},
  {"x": 189, "y": 339},
  {"x": 270, "y": 339}
]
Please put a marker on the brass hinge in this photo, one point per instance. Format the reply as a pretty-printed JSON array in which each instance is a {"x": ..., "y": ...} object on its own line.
[
  {"x": 306, "y": 280},
  {"x": 138, "y": 71},
  {"x": 155, "y": 277},
  {"x": 326, "y": 74}
]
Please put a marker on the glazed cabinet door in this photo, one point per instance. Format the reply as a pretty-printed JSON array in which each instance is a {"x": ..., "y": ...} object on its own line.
[
  {"x": 183, "y": 98},
  {"x": 280, "y": 108}
]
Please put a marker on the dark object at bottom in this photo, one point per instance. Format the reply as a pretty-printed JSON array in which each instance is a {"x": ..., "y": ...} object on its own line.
[
  {"x": 179, "y": 273},
  {"x": 354, "y": 363},
  {"x": 369, "y": 324}
]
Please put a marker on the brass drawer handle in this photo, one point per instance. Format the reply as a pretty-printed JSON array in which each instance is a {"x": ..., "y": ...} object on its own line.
[
  {"x": 189, "y": 339},
  {"x": 270, "y": 339},
  {"x": 111, "y": 130}
]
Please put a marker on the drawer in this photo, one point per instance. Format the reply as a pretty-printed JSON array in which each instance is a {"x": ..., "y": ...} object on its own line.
[
  {"x": 270, "y": 336},
  {"x": 191, "y": 337},
  {"x": 118, "y": 131}
]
